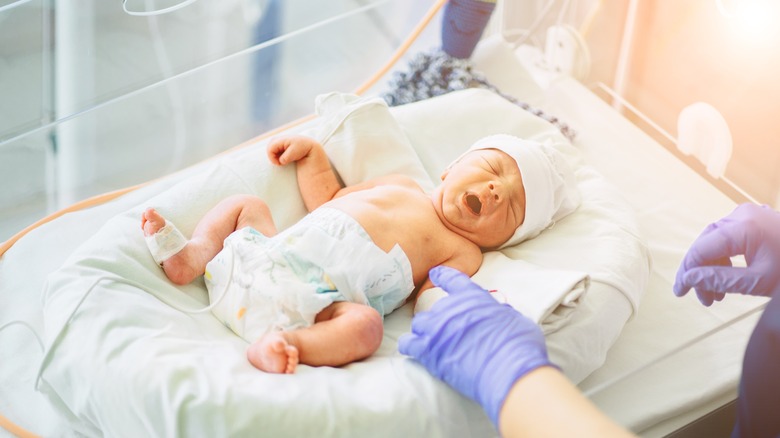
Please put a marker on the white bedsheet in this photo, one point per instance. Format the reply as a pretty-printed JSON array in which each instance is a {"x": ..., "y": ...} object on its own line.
[{"x": 129, "y": 364}]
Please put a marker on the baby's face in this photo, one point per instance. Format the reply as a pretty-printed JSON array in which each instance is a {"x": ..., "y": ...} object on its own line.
[{"x": 482, "y": 197}]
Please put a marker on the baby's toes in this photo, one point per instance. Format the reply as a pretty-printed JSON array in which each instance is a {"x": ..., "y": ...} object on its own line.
[
  {"x": 292, "y": 359},
  {"x": 152, "y": 221}
]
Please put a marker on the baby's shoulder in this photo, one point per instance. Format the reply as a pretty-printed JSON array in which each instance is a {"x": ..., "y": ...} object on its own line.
[
  {"x": 403, "y": 180},
  {"x": 464, "y": 254},
  {"x": 398, "y": 185}
]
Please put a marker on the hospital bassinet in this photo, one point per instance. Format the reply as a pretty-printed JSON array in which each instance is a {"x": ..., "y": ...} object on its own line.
[{"x": 631, "y": 345}]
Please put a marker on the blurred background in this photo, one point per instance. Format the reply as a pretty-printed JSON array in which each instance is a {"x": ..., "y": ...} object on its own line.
[{"x": 100, "y": 95}]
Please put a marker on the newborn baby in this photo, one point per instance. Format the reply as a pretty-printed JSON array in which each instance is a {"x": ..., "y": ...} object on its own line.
[{"x": 316, "y": 292}]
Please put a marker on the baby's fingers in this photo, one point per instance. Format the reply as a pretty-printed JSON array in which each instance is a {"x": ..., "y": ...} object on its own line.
[{"x": 275, "y": 150}]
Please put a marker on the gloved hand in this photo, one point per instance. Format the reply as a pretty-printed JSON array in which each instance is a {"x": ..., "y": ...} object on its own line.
[
  {"x": 474, "y": 343},
  {"x": 750, "y": 230}
]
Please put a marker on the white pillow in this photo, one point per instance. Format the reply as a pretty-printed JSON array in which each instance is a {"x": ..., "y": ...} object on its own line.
[{"x": 442, "y": 128}]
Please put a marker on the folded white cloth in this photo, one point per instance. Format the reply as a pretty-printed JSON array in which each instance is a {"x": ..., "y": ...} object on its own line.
[{"x": 546, "y": 296}]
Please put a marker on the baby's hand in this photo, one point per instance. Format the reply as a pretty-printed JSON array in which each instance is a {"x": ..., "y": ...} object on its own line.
[{"x": 289, "y": 149}]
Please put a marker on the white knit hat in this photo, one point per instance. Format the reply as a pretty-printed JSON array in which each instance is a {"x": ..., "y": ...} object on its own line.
[{"x": 550, "y": 188}]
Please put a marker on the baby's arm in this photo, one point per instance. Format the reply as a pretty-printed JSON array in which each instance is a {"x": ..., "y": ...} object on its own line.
[
  {"x": 467, "y": 259},
  {"x": 316, "y": 179}
]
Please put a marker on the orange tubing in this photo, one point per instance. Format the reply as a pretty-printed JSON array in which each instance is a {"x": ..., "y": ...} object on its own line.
[
  {"x": 14, "y": 429},
  {"x": 403, "y": 47}
]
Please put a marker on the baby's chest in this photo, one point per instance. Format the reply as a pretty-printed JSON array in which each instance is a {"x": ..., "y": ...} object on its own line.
[{"x": 409, "y": 224}]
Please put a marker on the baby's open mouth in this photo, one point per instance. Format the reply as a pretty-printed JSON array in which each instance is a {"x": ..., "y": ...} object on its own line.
[{"x": 474, "y": 203}]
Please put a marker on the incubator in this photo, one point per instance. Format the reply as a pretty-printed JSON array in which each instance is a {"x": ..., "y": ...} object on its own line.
[{"x": 111, "y": 104}]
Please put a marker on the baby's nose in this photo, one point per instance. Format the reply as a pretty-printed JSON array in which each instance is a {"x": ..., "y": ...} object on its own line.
[{"x": 495, "y": 192}]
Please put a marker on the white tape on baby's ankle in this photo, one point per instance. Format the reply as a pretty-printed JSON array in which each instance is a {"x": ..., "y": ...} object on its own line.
[{"x": 165, "y": 243}]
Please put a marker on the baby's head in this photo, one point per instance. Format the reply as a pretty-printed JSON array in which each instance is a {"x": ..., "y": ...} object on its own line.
[{"x": 505, "y": 190}]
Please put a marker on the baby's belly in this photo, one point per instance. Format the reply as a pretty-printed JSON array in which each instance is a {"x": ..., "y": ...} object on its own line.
[{"x": 417, "y": 231}]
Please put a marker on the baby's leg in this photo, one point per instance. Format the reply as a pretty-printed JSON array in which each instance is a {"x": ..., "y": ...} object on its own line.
[
  {"x": 232, "y": 213},
  {"x": 342, "y": 333}
]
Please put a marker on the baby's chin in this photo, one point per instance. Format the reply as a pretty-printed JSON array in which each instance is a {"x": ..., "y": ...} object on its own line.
[
  {"x": 490, "y": 246},
  {"x": 485, "y": 243}
]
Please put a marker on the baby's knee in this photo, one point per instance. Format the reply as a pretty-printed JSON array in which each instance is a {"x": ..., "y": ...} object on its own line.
[
  {"x": 372, "y": 330},
  {"x": 247, "y": 201},
  {"x": 253, "y": 212},
  {"x": 257, "y": 207}
]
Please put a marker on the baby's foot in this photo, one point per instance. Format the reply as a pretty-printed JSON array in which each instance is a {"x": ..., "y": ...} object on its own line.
[
  {"x": 151, "y": 221},
  {"x": 167, "y": 246},
  {"x": 273, "y": 354}
]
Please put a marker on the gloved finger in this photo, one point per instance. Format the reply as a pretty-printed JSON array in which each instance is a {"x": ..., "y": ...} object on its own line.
[
  {"x": 411, "y": 345},
  {"x": 681, "y": 287},
  {"x": 422, "y": 321},
  {"x": 707, "y": 297},
  {"x": 714, "y": 246},
  {"x": 726, "y": 240},
  {"x": 452, "y": 281},
  {"x": 723, "y": 279}
]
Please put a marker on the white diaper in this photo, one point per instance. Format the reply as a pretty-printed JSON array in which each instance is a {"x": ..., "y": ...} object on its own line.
[{"x": 283, "y": 282}]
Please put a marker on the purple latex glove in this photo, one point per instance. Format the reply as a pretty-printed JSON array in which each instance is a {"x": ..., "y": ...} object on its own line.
[
  {"x": 474, "y": 343},
  {"x": 750, "y": 230}
]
